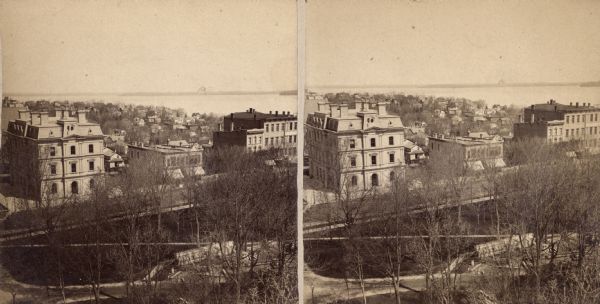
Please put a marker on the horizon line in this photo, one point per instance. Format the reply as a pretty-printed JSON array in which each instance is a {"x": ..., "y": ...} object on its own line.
[{"x": 150, "y": 93}]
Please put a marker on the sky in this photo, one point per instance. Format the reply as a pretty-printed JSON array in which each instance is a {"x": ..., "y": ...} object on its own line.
[
  {"x": 447, "y": 42},
  {"x": 69, "y": 46}
]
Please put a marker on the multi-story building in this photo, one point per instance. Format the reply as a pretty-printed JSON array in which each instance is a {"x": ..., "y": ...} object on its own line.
[
  {"x": 10, "y": 111},
  {"x": 474, "y": 152},
  {"x": 259, "y": 131},
  {"x": 555, "y": 123},
  {"x": 54, "y": 157},
  {"x": 354, "y": 149},
  {"x": 179, "y": 158}
]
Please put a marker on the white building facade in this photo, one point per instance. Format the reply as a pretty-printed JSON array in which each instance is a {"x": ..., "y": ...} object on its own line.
[{"x": 354, "y": 149}]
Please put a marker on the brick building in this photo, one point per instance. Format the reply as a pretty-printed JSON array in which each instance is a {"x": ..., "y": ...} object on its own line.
[
  {"x": 54, "y": 156},
  {"x": 259, "y": 131},
  {"x": 474, "y": 152},
  {"x": 354, "y": 149},
  {"x": 555, "y": 123},
  {"x": 179, "y": 158}
]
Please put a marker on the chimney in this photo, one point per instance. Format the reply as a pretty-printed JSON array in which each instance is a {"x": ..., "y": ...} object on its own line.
[
  {"x": 577, "y": 104},
  {"x": 270, "y": 112},
  {"x": 381, "y": 108},
  {"x": 362, "y": 103},
  {"x": 555, "y": 108},
  {"x": 343, "y": 109},
  {"x": 43, "y": 118},
  {"x": 322, "y": 107},
  {"x": 81, "y": 115},
  {"x": 24, "y": 115},
  {"x": 276, "y": 113},
  {"x": 571, "y": 103}
]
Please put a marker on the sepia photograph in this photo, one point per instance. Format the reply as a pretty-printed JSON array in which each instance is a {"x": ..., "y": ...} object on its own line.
[
  {"x": 451, "y": 152},
  {"x": 149, "y": 152}
]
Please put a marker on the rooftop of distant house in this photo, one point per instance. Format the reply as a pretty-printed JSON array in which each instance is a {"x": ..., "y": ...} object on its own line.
[
  {"x": 172, "y": 147},
  {"x": 473, "y": 139}
]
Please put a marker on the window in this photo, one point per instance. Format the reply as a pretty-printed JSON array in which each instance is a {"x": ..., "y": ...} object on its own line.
[
  {"x": 352, "y": 161},
  {"x": 296, "y": 126},
  {"x": 373, "y": 159},
  {"x": 352, "y": 144},
  {"x": 53, "y": 169},
  {"x": 372, "y": 142},
  {"x": 391, "y": 140},
  {"x": 354, "y": 180},
  {"x": 392, "y": 176},
  {"x": 577, "y": 118},
  {"x": 267, "y": 128},
  {"x": 392, "y": 158},
  {"x": 52, "y": 151},
  {"x": 91, "y": 148},
  {"x": 91, "y": 165},
  {"x": 73, "y": 167},
  {"x": 72, "y": 150},
  {"x": 290, "y": 139},
  {"x": 374, "y": 180},
  {"x": 74, "y": 188},
  {"x": 567, "y": 117},
  {"x": 567, "y": 132},
  {"x": 92, "y": 183},
  {"x": 54, "y": 188},
  {"x": 277, "y": 127}
]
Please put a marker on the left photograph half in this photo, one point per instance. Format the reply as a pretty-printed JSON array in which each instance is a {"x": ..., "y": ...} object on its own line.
[{"x": 148, "y": 152}]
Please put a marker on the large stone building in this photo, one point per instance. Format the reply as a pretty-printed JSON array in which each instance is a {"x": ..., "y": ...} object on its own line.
[
  {"x": 354, "y": 149},
  {"x": 10, "y": 111},
  {"x": 474, "y": 152},
  {"x": 180, "y": 158},
  {"x": 555, "y": 123},
  {"x": 259, "y": 131},
  {"x": 54, "y": 157}
]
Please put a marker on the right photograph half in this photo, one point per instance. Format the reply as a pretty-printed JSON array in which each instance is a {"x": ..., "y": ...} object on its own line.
[{"x": 451, "y": 152}]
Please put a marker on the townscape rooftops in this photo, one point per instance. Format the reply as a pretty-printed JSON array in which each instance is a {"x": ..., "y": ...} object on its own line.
[{"x": 468, "y": 141}]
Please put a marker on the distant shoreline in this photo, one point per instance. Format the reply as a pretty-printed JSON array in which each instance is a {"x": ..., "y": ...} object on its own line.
[
  {"x": 285, "y": 92},
  {"x": 463, "y": 85}
]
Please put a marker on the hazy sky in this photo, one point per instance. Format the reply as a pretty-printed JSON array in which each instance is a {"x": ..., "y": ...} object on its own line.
[
  {"x": 156, "y": 46},
  {"x": 424, "y": 42}
]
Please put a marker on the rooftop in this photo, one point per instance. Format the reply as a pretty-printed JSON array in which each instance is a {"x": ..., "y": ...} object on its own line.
[
  {"x": 251, "y": 114},
  {"x": 552, "y": 105}
]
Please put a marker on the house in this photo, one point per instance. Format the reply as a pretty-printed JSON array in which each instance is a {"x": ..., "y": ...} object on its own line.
[
  {"x": 113, "y": 162},
  {"x": 355, "y": 149},
  {"x": 413, "y": 154},
  {"x": 54, "y": 157}
]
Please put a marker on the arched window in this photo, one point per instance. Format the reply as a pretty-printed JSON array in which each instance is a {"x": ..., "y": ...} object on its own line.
[
  {"x": 74, "y": 188},
  {"x": 354, "y": 180},
  {"x": 54, "y": 188},
  {"x": 374, "y": 180}
]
